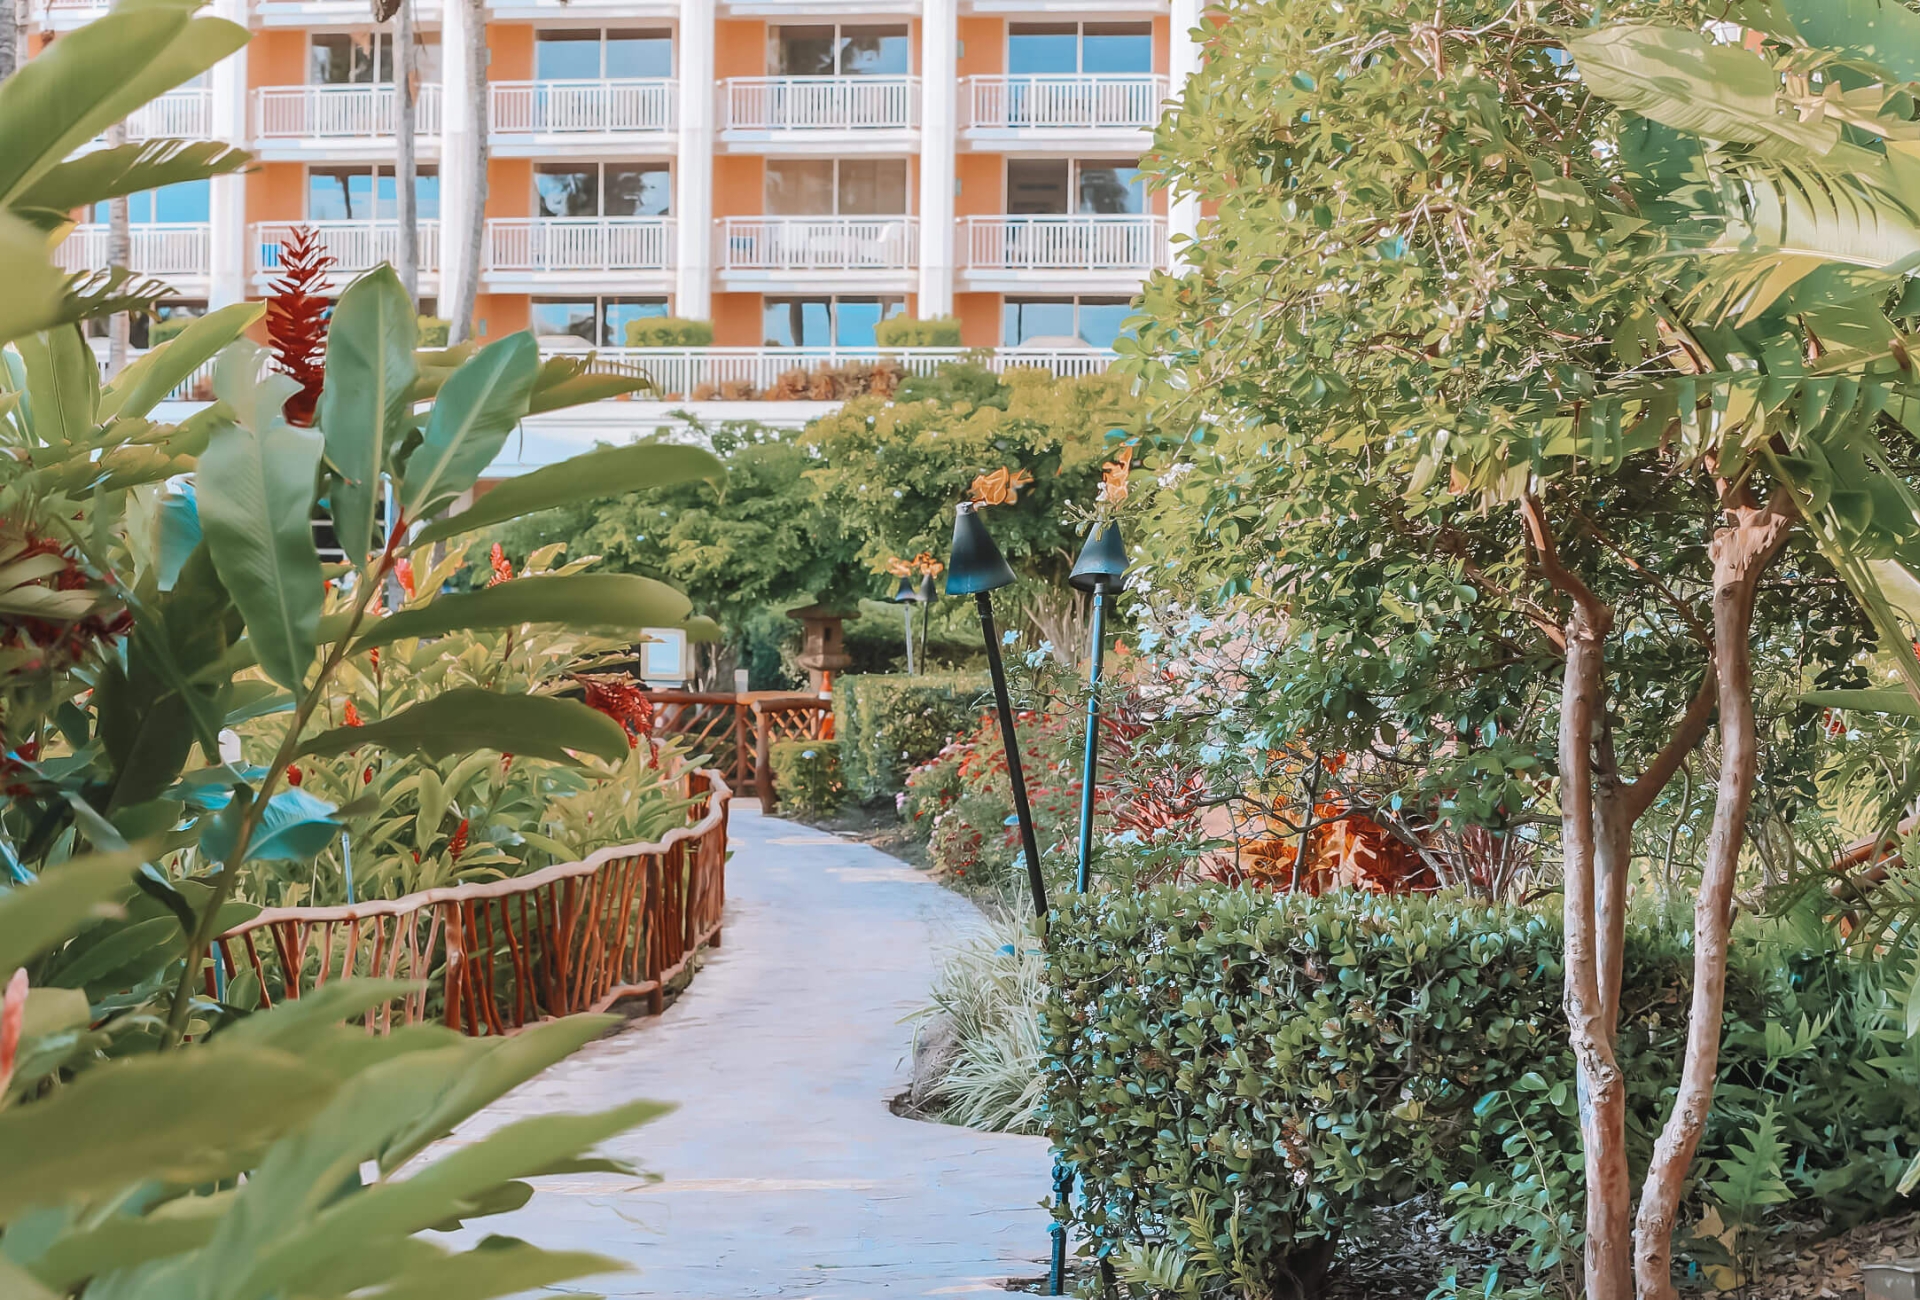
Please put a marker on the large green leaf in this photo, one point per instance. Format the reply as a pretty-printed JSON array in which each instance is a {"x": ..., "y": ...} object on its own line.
[
  {"x": 566, "y": 381},
  {"x": 36, "y": 289},
  {"x": 129, "y": 169},
  {"x": 1896, "y": 702},
  {"x": 36, "y": 917},
  {"x": 468, "y": 718},
  {"x": 507, "y": 1268},
  {"x": 476, "y": 409},
  {"x": 96, "y": 75},
  {"x": 607, "y": 472},
  {"x": 146, "y": 383},
  {"x": 1881, "y": 32},
  {"x": 63, "y": 387},
  {"x": 255, "y": 487},
  {"x": 582, "y": 600},
  {"x": 367, "y": 401}
]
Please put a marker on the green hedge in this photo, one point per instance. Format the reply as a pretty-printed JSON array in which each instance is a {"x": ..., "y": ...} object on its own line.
[
  {"x": 1240, "y": 1076},
  {"x": 886, "y": 723},
  {"x": 806, "y": 776},
  {"x": 909, "y": 332},
  {"x": 669, "y": 332}
]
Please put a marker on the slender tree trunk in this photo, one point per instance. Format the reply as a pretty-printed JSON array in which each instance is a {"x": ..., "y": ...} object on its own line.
[
  {"x": 461, "y": 314},
  {"x": 12, "y": 39},
  {"x": 406, "y": 166},
  {"x": 1741, "y": 553},
  {"x": 119, "y": 257}
]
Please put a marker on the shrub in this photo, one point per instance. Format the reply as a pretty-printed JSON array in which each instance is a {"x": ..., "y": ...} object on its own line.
[
  {"x": 164, "y": 328},
  {"x": 669, "y": 332},
  {"x": 990, "y": 990},
  {"x": 432, "y": 331},
  {"x": 907, "y": 332},
  {"x": 887, "y": 723},
  {"x": 1240, "y": 1076},
  {"x": 806, "y": 776}
]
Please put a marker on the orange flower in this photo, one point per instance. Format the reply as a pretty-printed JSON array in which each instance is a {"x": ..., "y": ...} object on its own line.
[
  {"x": 353, "y": 716},
  {"x": 502, "y": 570},
  {"x": 1113, "y": 477},
  {"x": 1000, "y": 488},
  {"x": 925, "y": 563},
  {"x": 403, "y": 570},
  {"x": 898, "y": 568}
]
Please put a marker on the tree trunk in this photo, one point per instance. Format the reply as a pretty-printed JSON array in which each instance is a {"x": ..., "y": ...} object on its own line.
[
  {"x": 1741, "y": 553},
  {"x": 405, "y": 164},
  {"x": 461, "y": 313},
  {"x": 119, "y": 257},
  {"x": 11, "y": 42}
]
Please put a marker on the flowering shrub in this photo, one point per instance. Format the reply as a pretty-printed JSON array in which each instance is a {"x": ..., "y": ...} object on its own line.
[{"x": 886, "y": 723}]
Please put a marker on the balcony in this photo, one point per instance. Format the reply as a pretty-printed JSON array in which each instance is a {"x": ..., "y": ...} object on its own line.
[
  {"x": 775, "y": 251},
  {"x": 356, "y": 246},
  {"x": 794, "y": 374},
  {"x": 173, "y": 251},
  {"x": 1085, "y": 253},
  {"x": 540, "y": 118},
  {"x": 178, "y": 114},
  {"x": 877, "y": 114},
  {"x": 579, "y": 252},
  {"x": 65, "y": 15},
  {"x": 337, "y": 122},
  {"x": 1003, "y": 111}
]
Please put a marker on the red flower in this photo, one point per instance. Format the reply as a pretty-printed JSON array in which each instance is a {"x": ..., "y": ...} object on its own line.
[
  {"x": 627, "y": 705},
  {"x": 353, "y": 716},
  {"x": 458, "y": 844},
  {"x": 294, "y": 775},
  {"x": 13, "y": 1016},
  {"x": 403, "y": 570},
  {"x": 297, "y": 305},
  {"x": 366, "y": 777},
  {"x": 502, "y": 570}
]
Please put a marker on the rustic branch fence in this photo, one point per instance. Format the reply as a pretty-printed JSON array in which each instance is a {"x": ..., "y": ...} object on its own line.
[
  {"x": 490, "y": 958},
  {"x": 739, "y": 730}
]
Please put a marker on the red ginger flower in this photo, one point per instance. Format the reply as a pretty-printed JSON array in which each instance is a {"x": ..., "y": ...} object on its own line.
[
  {"x": 627, "y": 705},
  {"x": 353, "y": 716},
  {"x": 502, "y": 570},
  {"x": 297, "y": 306},
  {"x": 458, "y": 844},
  {"x": 403, "y": 570}
]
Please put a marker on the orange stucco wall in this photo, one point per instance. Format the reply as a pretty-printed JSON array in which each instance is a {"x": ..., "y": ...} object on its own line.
[
  {"x": 509, "y": 187},
  {"x": 738, "y": 185},
  {"x": 510, "y": 51},
  {"x": 1162, "y": 29},
  {"x": 736, "y": 320},
  {"x": 277, "y": 192},
  {"x": 979, "y": 315},
  {"x": 739, "y": 48},
  {"x": 982, "y": 177},
  {"x": 983, "y": 46},
  {"x": 277, "y": 58},
  {"x": 497, "y": 315}
]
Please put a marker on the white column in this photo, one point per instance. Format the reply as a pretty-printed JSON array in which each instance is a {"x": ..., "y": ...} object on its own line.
[
  {"x": 227, "y": 195},
  {"x": 459, "y": 187},
  {"x": 693, "y": 181},
  {"x": 939, "y": 101},
  {"x": 1183, "y": 60}
]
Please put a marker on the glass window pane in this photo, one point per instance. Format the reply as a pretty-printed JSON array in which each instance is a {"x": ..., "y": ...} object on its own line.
[
  {"x": 1037, "y": 48},
  {"x": 873, "y": 186},
  {"x": 566, "y": 56},
  {"x": 799, "y": 187},
  {"x": 1117, "y": 47},
  {"x": 185, "y": 201},
  {"x": 873, "y": 52},
  {"x": 1026, "y": 319},
  {"x": 1036, "y": 186},
  {"x": 1100, "y": 320},
  {"x": 803, "y": 51},
  {"x": 615, "y": 313},
  {"x": 559, "y": 318},
  {"x": 564, "y": 190},
  {"x": 639, "y": 54},
  {"x": 329, "y": 59},
  {"x": 853, "y": 322},
  {"x": 338, "y": 193},
  {"x": 426, "y": 57},
  {"x": 796, "y": 322},
  {"x": 1111, "y": 188},
  {"x": 426, "y": 194},
  {"x": 635, "y": 190}
]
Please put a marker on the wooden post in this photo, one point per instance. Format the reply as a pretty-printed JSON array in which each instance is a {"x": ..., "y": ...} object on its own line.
[{"x": 762, "y": 759}]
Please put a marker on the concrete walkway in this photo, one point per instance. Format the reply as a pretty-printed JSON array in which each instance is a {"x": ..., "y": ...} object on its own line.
[{"x": 783, "y": 1173}]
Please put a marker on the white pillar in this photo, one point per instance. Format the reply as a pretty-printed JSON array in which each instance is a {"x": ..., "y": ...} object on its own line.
[
  {"x": 459, "y": 187},
  {"x": 1183, "y": 60},
  {"x": 939, "y": 98},
  {"x": 693, "y": 183},
  {"x": 227, "y": 195}
]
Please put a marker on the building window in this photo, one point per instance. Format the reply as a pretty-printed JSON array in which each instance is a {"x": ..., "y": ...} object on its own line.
[
  {"x": 597, "y": 54},
  {"x": 1095, "y": 322},
  {"x": 1055, "y": 186},
  {"x": 368, "y": 194},
  {"x": 184, "y": 201},
  {"x": 1042, "y": 49},
  {"x": 602, "y": 190},
  {"x": 600, "y": 322},
  {"x": 824, "y": 187},
  {"x": 839, "y": 50},
  {"x": 826, "y": 322},
  {"x": 366, "y": 58}
]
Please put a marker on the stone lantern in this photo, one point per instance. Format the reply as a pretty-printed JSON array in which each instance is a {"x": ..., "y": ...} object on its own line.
[{"x": 823, "y": 644}]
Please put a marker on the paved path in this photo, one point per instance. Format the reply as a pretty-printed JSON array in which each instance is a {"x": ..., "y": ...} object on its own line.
[{"x": 783, "y": 1171}]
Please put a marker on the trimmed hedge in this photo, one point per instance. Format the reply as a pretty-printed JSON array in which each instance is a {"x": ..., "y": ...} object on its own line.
[
  {"x": 806, "y": 776},
  {"x": 1240, "y": 1076},
  {"x": 909, "y": 332},
  {"x": 669, "y": 332},
  {"x": 886, "y": 723}
]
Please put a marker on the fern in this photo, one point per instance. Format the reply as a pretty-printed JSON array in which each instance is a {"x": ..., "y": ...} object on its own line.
[{"x": 1751, "y": 1177}]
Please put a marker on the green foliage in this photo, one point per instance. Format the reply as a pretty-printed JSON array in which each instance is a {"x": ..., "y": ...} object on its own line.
[
  {"x": 911, "y": 332},
  {"x": 886, "y": 724},
  {"x": 431, "y": 331},
  {"x": 806, "y": 776},
  {"x": 990, "y": 991},
  {"x": 669, "y": 332}
]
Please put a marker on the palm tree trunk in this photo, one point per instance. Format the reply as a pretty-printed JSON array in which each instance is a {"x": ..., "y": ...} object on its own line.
[
  {"x": 10, "y": 41},
  {"x": 406, "y": 167},
  {"x": 460, "y": 316},
  {"x": 119, "y": 257}
]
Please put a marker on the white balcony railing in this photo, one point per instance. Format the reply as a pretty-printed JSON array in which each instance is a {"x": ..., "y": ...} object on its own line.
[
  {"x": 1065, "y": 243},
  {"x": 680, "y": 373},
  {"x": 1065, "y": 102},
  {"x": 355, "y": 245},
  {"x": 178, "y": 114},
  {"x": 562, "y": 107},
  {"x": 817, "y": 243},
  {"x": 337, "y": 112},
  {"x": 163, "y": 249},
  {"x": 820, "y": 103},
  {"x": 579, "y": 244}
]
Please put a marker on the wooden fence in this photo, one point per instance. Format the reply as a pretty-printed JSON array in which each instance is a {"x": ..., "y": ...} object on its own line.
[
  {"x": 738, "y": 730},
  {"x": 490, "y": 958}
]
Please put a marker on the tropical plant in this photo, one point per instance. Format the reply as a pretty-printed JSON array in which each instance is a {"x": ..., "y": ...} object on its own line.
[{"x": 991, "y": 990}]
